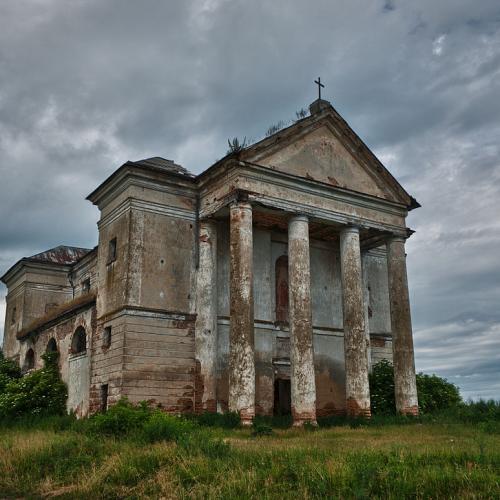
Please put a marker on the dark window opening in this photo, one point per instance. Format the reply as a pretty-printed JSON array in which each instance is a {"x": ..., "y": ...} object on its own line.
[
  {"x": 79, "y": 342},
  {"x": 86, "y": 285},
  {"x": 13, "y": 316},
  {"x": 104, "y": 397},
  {"x": 52, "y": 345},
  {"x": 281, "y": 271},
  {"x": 282, "y": 397},
  {"x": 112, "y": 251},
  {"x": 106, "y": 337},
  {"x": 29, "y": 360}
]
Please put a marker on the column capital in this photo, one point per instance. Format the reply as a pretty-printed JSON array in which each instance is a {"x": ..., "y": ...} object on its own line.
[
  {"x": 396, "y": 237},
  {"x": 241, "y": 204},
  {"x": 351, "y": 228},
  {"x": 208, "y": 223},
  {"x": 298, "y": 218}
]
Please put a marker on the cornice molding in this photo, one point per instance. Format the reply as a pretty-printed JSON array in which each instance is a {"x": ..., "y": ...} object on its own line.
[
  {"x": 128, "y": 176},
  {"x": 146, "y": 206}
]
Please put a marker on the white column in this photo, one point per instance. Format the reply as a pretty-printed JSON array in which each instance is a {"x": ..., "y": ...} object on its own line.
[
  {"x": 356, "y": 359},
  {"x": 206, "y": 319},
  {"x": 241, "y": 348},
  {"x": 405, "y": 384},
  {"x": 303, "y": 384}
]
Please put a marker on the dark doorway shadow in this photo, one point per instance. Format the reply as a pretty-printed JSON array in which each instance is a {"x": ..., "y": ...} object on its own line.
[{"x": 282, "y": 397}]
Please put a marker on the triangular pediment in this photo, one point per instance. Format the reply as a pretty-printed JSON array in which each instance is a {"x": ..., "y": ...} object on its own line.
[{"x": 324, "y": 148}]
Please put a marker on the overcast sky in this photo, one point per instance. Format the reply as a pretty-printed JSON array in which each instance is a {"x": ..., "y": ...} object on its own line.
[{"x": 87, "y": 85}]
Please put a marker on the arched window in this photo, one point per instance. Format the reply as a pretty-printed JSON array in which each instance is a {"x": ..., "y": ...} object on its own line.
[
  {"x": 29, "y": 360},
  {"x": 51, "y": 345},
  {"x": 79, "y": 342},
  {"x": 281, "y": 271}
]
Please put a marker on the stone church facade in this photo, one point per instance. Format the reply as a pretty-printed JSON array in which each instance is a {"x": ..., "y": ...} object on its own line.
[{"x": 269, "y": 283}]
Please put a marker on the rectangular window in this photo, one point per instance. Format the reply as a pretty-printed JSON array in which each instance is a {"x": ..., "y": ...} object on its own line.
[
  {"x": 112, "y": 251},
  {"x": 86, "y": 285},
  {"x": 104, "y": 397},
  {"x": 106, "y": 337}
]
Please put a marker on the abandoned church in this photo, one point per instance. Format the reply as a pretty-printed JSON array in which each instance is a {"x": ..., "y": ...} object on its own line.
[{"x": 268, "y": 284}]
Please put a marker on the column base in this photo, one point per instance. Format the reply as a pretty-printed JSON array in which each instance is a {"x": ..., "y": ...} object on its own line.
[
  {"x": 299, "y": 419},
  {"x": 246, "y": 417},
  {"x": 301, "y": 423},
  {"x": 354, "y": 410},
  {"x": 411, "y": 411}
]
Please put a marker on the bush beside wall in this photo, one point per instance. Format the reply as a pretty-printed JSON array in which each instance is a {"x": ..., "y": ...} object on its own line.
[
  {"x": 39, "y": 393},
  {"x": 434, "y": 393}
]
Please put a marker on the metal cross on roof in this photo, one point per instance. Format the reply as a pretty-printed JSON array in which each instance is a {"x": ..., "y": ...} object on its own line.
[{"x": 320, "y": 85}]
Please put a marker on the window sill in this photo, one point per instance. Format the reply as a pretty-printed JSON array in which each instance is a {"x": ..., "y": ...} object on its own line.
[{"x": 76, "y": 355}]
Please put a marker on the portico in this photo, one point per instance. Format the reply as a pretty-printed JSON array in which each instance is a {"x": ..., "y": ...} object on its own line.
[{"x": 244, "y": 215}]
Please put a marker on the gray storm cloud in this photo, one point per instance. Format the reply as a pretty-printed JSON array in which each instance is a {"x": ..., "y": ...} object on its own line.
[{"x": 87, "y": 85}]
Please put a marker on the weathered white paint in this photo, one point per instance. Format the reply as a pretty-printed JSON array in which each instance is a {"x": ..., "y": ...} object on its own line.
[
  {"x": 78, "y": 384},
  {"x": 241, "y": 349},
  {"x": 206, "y": 317},
  {"x": 356, "y": 360},
  {"x": 405, "y": 384},
  {"x": 303, "y": 384}
]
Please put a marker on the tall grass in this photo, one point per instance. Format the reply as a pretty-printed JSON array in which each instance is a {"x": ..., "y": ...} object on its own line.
[
  {"x": 118, "y": 455},
  {"x": 428, "y": 461}
]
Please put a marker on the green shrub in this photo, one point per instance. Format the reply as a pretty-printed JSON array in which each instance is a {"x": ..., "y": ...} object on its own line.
[
  {"x": 9, "y": 371},
  {"x": 125, "y": 419},
  {"x": 434, "y": 393},
  {"x": 472, "y": 412},
  {"x": 162, "y": 426},
  {"x": 40, "y": 393},
  {"x": 382, "y": 389},
  {"x": 228, "y": 420},
  {"x": 259, "y": 428},
  {"x": 275, "y": 421},
  {"x": 121, "y": 419}
]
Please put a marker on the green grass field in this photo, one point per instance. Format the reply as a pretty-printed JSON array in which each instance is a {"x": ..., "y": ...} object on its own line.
[{"x": 428, "y": 460}]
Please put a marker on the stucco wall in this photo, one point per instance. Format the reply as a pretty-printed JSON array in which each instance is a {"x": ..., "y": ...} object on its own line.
[
  {"x": 74, "y": 368},
  {"x": 36, "y": 289}
]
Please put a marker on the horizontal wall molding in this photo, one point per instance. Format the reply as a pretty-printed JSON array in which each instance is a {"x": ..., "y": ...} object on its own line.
[
  {"x": 283, "y": 331},
  {"x": 147, "y": 313},
  {"x": 146, "y": 206}
]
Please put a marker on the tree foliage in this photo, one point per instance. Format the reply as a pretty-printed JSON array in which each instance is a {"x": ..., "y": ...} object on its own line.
[
  {"x": 39, "y": 393},
  {"x": 382, "y": 389},
  {"x": 434, "y": 393},
  {"x": 9, "y": 370}
]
